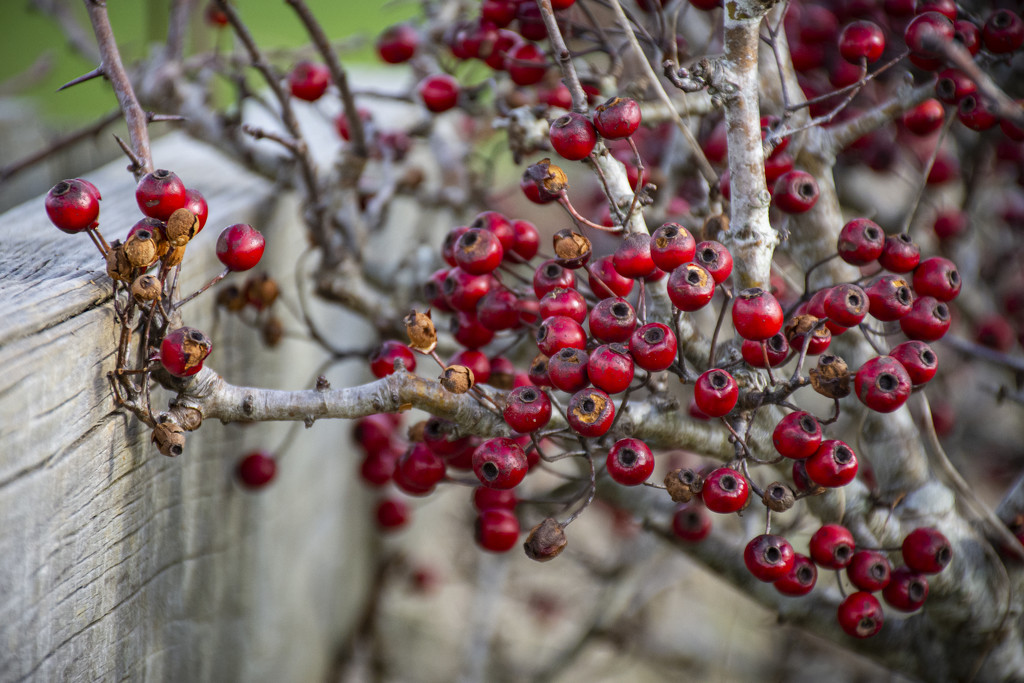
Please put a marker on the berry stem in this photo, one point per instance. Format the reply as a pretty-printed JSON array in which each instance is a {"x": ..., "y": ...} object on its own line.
[
  {"x": 563, "y": 199},
  {"x": 216, "y": 278},
  {"x": 718, "y": 325}
]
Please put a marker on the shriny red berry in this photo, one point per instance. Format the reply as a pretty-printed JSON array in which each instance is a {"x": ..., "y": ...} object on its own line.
[
  {"x": 653, "y": 347},
  {"x": 833, "y": 464},
  {"x": 498, "y": 310},
  {"x": 630, "y": 462},
  {"x": 485, "y": 498},
  {"x": 505, "y": 42},
  {"x": 795, "y": 192},
  {"x": 240, "y": 247},
  {"x": 567, "y": 370},
  {"x": 309, "y": 80},
  {"x": 526, "y": 239},
  {"x": 846, "y": 304},
  {"x": 382, "y": 360},
  {"x": 977, "y": 112},
  {"x": 926, "y": 550},
  {"x": 559, "y": 332},
  {"x": 256, "y": 470},
  {"x": 475, "y": 360},
  {"x": 860, "y": 615},
  {"x": 715, "y": 258},
  {"x": 605, "y": 280},
  {"x": 869, "y": 570},
  {"x": 573, "y": 136},
  {"x": 612, "y": 320},
  {"x": 195, "y": 202},
  {"x": 928, "y": 319},
  {"x": 463, "y": 291},
  {"x": 777, "y": 346},
  {"x": 392, "y": 514},
  {"x": 526, "y": 64},
  {"x": 925, "y": 118},
  {"x": 160, "y": 193},
  {"x": 832, "y": 546},
  {"x": 562, "y": 301},
  {"x": 497, "y": 530},
  {"x": 478, "y": 251},
  {"x": 632, "y": 258},
  {"x": 73, "y": 205},
  {"x": 499, "y": 463},
  {"x": 690, "y": 522},
  {"x": 183, "y": 350},
  {"x": 497, "y": 223},
  {"x": 861, "y": 40},
  {"x": 469, "y": 331},
  {"x": 756, "y": 314},
  {"x": 590, "y": 412},
  {"x": 671, "y": 246},
  {"x": 549, "y": 275},
  {"x": 953, "y": 85},
  {"x": 1003, "y": 32},
  {"x": 725, "y": 490},
  {"x": 610, "y": 368},
  {"x": 397, "y": 43},
  {"x": 900, "y": 254},
  {"x": 527, "y": 409},
  {"x": 768, "y": 557},
  {"x": 889, "y": 298},
  {"x": 690, "y": 287},
  {"x": 451, "y": 238},
  {"x": 617, "y": 118},
  {"x": 797, "y": 435},
  {"x": 439, "y": 92},
  {"x": 377, "y": 468},
  {"x": 716, "y": 392},
  {"x": 918, "y": 359},
  {"x": 882, "y": 384},
  {"x": 926, "y": 33},
  {"x": 419, "y": 470},
  {"x": 861, "y": 242},
  {"x": 800, "y": 579},
  {"x": 937, "y": 277},
  {"x": 906, "y": 591}
]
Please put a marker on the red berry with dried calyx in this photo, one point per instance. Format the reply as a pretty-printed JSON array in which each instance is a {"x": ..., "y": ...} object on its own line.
[
  {"x": 889, "y": 298},
  {"x": 240, "y": 247},
  {"x": 926, "y": 33},
  {"x": 561, "y": 301},
  {"x": 900, "y": 254},
  {"x": 716, "y": 392},
  {"x": 73, "y": 205},
  {"x": 160, "y": 193},
  {"x": 797, "y": 435},
  {"x": 832, "y": 546},
  {"x": 1003, "y": 32},
  {"x": 860, "y": 242},
  {"x": 754, "y": 354},
  {"x": 573, "y": 136},
  {"x": 419, "y": 470},
  {"x": 526, "y": 64},
  {"x": 182, "y": 351},
  {"x": 860, "y": 615},
  {"x": 715, "y": 258},
  {"x": 653, "y": 347},
  {"x": 918, "y": 359},
  {"x": 906, "y": 591},
  {"x": 617, "y": 118},
  {"x": 499, "y": 463},
  {"x": 937, "y": 277},
  {"x": 756, "y": 314},
  {"x": 605, "y": 281},
  {"x": 725, "y": 490},
  {"x": 567, "y": 370},
  {"x": 690, "y": 522},
  {"x": 846, "y": 304},
  {"x": 397, "y": 43},
  {"x": 478, "y": 252},
  {"x": 671, "y": 246},
  {"x": 256, "y": 470},
  {"x": 630, "y": 462},
  {"x": 612, "y": 320},
  {"x": 590, "y": 412},
  {"x": 869, "y": 570},
  {"x": 882, "y": 384},
  {"x": 768, "y": 557},
  {"x": 927, "y": 320},
  {"x": 690, "y": 287},
  {"x": 610, "y": 368},
  {"x": 527, "y": 409},
  {"x": 927, "y": 550},
  {"x": 795, "y": 192},
  {"x": 800, "y": 579},
  {"x": 559, "y": 332},
  {"x": 833, "y": 464}
]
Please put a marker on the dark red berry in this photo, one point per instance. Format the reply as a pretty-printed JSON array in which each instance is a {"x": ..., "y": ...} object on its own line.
[
  {"x": 715, "y": 258},
  {"x": 566, "y": 302},
  {"x": 977, "y": 112},
  {"x": 797, "y": 435},
  {"x": 846, "y": 304},
  {"x": 309, "y": 80},
  {"x": 801, "y": 577},
  {"x": 397, "y": 43},
  {"x": 926, "y": 33},
  {"x": 499, "y": 463},
  {"x": 476, "y": 361},
  {"x": 925, "y": 118},
  {"x": 526, "y": 239},
  {"x": 527, "y": 409},
  {"x": 485, "y": 498},
  {"x": 861, "y": 242},
  {"x": 861, "y": 40},
  {"x": 505, "y": 42},
  {"x": 690, "y": 287},
  {"x": 756, "y": 314},
  {"x": 73, "y": 205},
  {"x": 633, "y": 257},
  {"x": 691, "y": 522},
  {"x": 630, "y": 462},
  {"x": 538, "y": 373},
  {"x": 860, "y": 615},
  {"x": 617, "y": 118},
  {"x": 463, "y": 291},
  {"x": 1003, "y": 32},
  {"x": 605, "y": 281},
  {"x": 590, "y": 412},
  {"x": 653, "y": 347},
  {"x": 777, "y": 346},
  {"x": 526, "y": 64},
  {"x": 928, "y": 319},
  {"x": 573, "y": 136},
  {"x": 795, "y": 192},
  {"x": 439, "y": 92},
  {"x": 240, "y": 247},
  {"x": 470, "y": 332},
  {"x": 671, "y": 246},
  {"x": 889, "y": 298},
  {"x": 478, "y": 251},
  {"x": 918, "y": 359},
  {"x": 567, "y": 370},
  {"x": 937, "y": 277},
  {"x": 196, "y": 203},
  {"x": 953, "y": 85},
  {"x": 256, "y": 470},
  {"x": 182, "y": 351},
  {"x": 716, "y": 392},
  {"x": 436, "y": 434},
  {"x": 559, "y": 332},
  {"x": 906, "y": 591},
  {"x": 610, "y": 368},
  {"x": 419, "y": 470},
  {"x": 768, "y": 557},
  {"x": 869, "y": 570},
  {"x": 160, "y": 193},
  {"x": 967, "y": 34},
  {"x": 832, "y": 546},
  {"x": 612, "y": 320},
  {"x": 451, "y": 238},
  {"x": 926, "y": 550},
  {"x": 382, "y": 360},
  {"x": 373, "y": 433},
  {"x": 900, "y": 254},
  {"x": 497, "y": 530},
  {"x": 498, "y": 309},
  {"x": 833, "y": 464},
  {"x": 377, "y": 468},
  {"x": 392, "y": 514},
  {"x": 950, "y": 224},
  {"x": 882, "y": 384},
  {"x": 549, "y": 275},
  {"x": 725, "y": 490}
]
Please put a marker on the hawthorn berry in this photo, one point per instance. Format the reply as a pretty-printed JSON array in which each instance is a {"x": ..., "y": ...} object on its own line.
[
  {"x": 590, "y": 412},
  {"x": 937, "y": 277},
  {"x": 73, "y": 205},
  {"x": 861, "y": 40},
  {"x": 756, "y": 314},
  {"x": 475, "y": 360},
  {"x": 504, "y": 42},
  {"x": 869, "y": 570},
  {"x": 240, "y": 247},
  {"x": 549, "y": 275},
  {"x": 690, "y": 287},
  {"x": 899, "y": 254},
  {"x": 183, "y": 350},
  {"x": 498, "y": 310},
  {"x": 889, "y": 298},
  {"x": 633, "y": 259},
  {"x": 377, "y": 468},
  {"x": 436, "y": 434},
  {"x": 925, "y": 118},
  {"x": 397, "y": 43},
  {"x": 832, "y": 546},
  {"x": 605, "y": 281},
  {"x": 725, "y": 490},
  {"x": 478, "y": 252},
  {"x": 795, "y": 192},
  {"x": 977, "y": 112},
  {"x": 566, "y": 302},
  {"x": 567, "y": 370},
  {"x": 617, "y": 118},
  {"x": 768, "y": 557},
  {"x": 485, "y": 498},
  {"x": 558, "y": 332},
  {"x": 527, "y": 409},
  {"x": 927, "y": 32},
  {"x": 256, "y": 470},
  {"x": 196, "y": 204},
  {"x": 392, "y": 514},
  {"x": 690, "y": 522},
  {"x": 715, "y": 258},
  {"x": 968, "y": 34},
  {"x": 630, "y": 462},
  {"x": 373, "y": 433},
  {"x": 906, "y": 591},
  {"x": 160, "y": 193},
  {"x": 463, "y": 291},
  {"x": 927, "y": 320},
  {"x": 926, "y": 550},
  {"x": 953, "y": 85},
  {"x": 573, "y": 136},
  {"x": 419, "y": 470},
  {"x": 497, "y": 530},
  {"x": 846, "y": 304},
  {"x": 797, "y": 435},
  {"x": 309, "y": 80},
  {"x": 382, "y": 360},
  {"x": 800, "y": 579},
  {"x": 469, "y": 331},
  {"x": 439, "y": 92},
  {"x": 882, "y": 384},
  {"x": 525, "y": 239},
  {"x": 497, "y": 223},
  {"x": 833, "y": 464},
  {"x": 612, "y": 320},
  {"x": 526, "y": 64},
  {"x": 918, "y": 359},
  {"x": 716, "y": 392},
  {"x": 860, "y": 615},
  {"x": 500, "y": 463},
  {"x": 861, "y": 242},
  {"x": 610, "y": 368},
  {"x": 671, "y": 246},
  {"x": 653, "y": 346},
  {"x": 1003, "y": 32},
  {"x": 754, "y": 353}
]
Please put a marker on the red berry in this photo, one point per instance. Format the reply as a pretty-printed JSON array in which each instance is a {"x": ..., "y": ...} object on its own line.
[
  {"x": 846, "y": 304},
  {"x": 869, "y": 570},
  {"x": 73, "y": 205},
  {"x": 470, "y": 332},
  {"x": 527, "y": 409},
  {"x": 671, "y": 246},
  {"x": 605, "y": 281},
  {"x": 753, "y": 353},
  {"x": 309, "y": 80},
  {"x": 630, "y": 462},
  {"x": 590, "y": 412},
  {"x": 341, "y": 123},
  {"x": 498, "y": 310},
  {"x": 768, "y": 557},
  {"x": 716, "y": 392},
  {"x": 497, "y": 530},
  {"x": 860, "y": 615},
  {"x": 505, "y": 42},
  {"x": 801, "y": 577},
  {"x": 1003, "y": 32},
  {"x": 944, "y": 169},
  {"x": 690, "y": 287},
  {"x": 499, "y": 463},
  {"x": 653, "y": 347},
  {"x": 995, "y": 332},
  {"x": 196, "y": 203},
  {"x": 725, "y": 490},
  {"x": 756, "y": 314},
  {"x": 900, "y": 254},
  {"x": 526, "y": 239},
  {"x": 925, "y": 118},
  {"x": 861, "y": 242},
  {"x": 795, "y": 192},
  {"x": 182, "y": 351},
  {"x": 256, "y": 470},
  {"x": 950, "y": 224},
  {"x": 926, "y": 550},
  {"x": 419, "y": 470},
  {"x": 573, "y": 136},
  {"x": 927, "y": 32},
  {"x": 937, "y": 277},
  {"x": 240, "y": 247},
  {"x": 797, "y": 435},
  {"x": 436, "y": 435},
  {"x": 918, "y": 359},
  {"x": 691, "y": 522},
  {"x": 160, "y": 193},
  {"x": 439, "y": 92},
  {"x": 633, "y": 259},
  {"x": 928, "y": 319},
  {"x": 566, "y": 302},
  {"x": 485, "y": 498},
  {"x": 833, "y": 464},
  {"x": 559, "y": 332},
  {"x": 463, "y": 291},
  {"x": 478, "y": 251},
  {"x": 397, "y": 43},
  {"x": 549, "y": 275},
  {"x": 612, "y": 320},
  {"x": 967, "y": 34},
  {"x": 819, "y": 340},
  {"x": 906, "y": 591},
  {"x": 610, "y": 368},
  {"x": 889, "y": 298},
  {"x": 882, "y": 384},
  {"x": 501, "y": 13},
  {"x": 953, "y": 85},
  {"x": 861, "y": 40},
  {"x": 382, "y": 360},
  {"x": 392, "y": 514},
  {"x": 617, "y": 118},
  {"x": 715, "y": 258},
  {"x": 567, "y": 370},
  {"x": 832, "y": 546},
  {"x": 373, "y": 433},
  {"x": 977, "y": 112},
  {"x": 526, "y": 64},
  {"x": 377, "y": 468}
]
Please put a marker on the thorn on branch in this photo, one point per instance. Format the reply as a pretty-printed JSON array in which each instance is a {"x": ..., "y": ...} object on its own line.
[{"x": 95, "y": 73}]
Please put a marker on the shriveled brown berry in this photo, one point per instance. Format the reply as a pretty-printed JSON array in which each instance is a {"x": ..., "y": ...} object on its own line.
[
  {"x": 231, "y": 298},
  {"x": 683, "y": 484},
  {"x": 169, "y": 438},
  {"x": 141, "y": 249},
  {"x": 778, "y": 497},
  {"x": 261, "y": 291},
  {"x": 146, "y": 288},
  {"x": 544, "y": 181},
  {"x": 182, "y": 225},
  {"x": 572, "y": 250},
  {"x": 457, "y": 379},
  {"x": 272, "y": 331},
  {"x": 118, "y": 265},
  {"x": 420, "y": 328},
  {"x": 174, "y": 257},
  {"x": 831, "y": 377},
  {"x": 546, "y": 541}
]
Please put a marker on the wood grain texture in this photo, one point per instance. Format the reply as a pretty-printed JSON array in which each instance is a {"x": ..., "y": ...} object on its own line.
[{"x": 116, "y": 562}]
